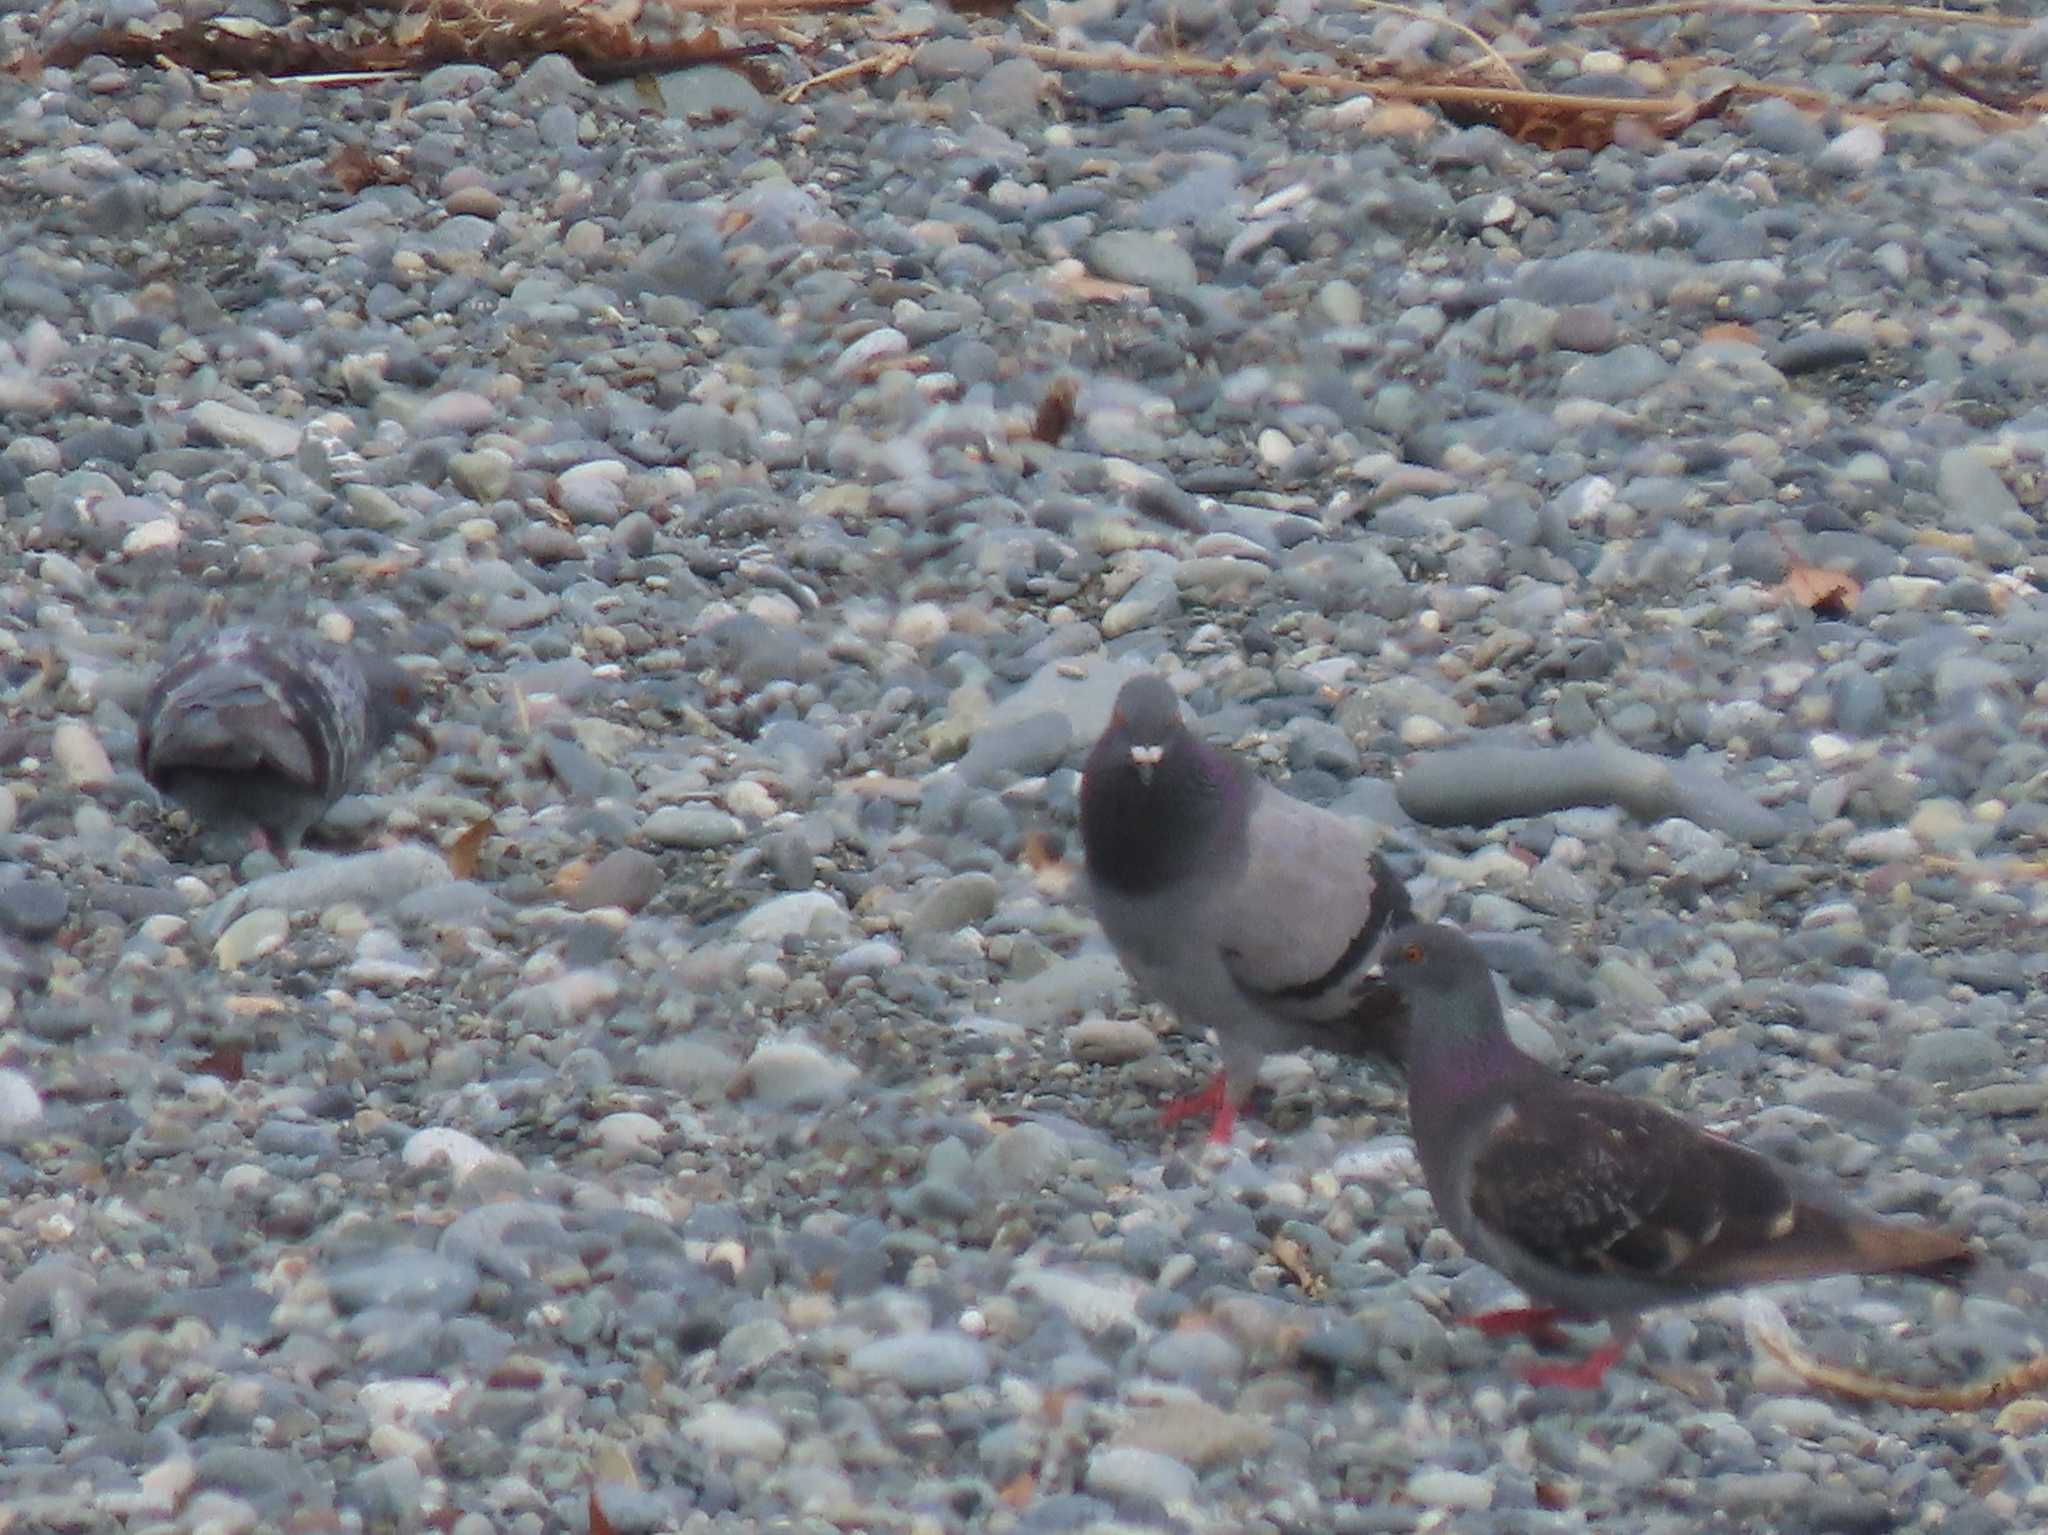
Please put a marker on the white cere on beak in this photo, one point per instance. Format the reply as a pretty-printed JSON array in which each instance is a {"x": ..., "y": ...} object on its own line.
[{"x": 1145, "y": 759}]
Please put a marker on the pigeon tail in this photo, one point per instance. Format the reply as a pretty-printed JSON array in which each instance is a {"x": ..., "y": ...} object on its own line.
[{"x": 1927, "y": 1251}]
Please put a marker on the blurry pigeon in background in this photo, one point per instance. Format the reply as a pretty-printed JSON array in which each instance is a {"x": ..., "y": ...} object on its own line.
[
  {"x": 258, "y": 730},
  {"x": 1595, "y": 1204},
  {"x": 1244, "y": 910}
]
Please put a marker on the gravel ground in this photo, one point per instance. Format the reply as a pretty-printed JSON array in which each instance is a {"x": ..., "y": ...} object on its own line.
[{"x": 736, "y": 1124}]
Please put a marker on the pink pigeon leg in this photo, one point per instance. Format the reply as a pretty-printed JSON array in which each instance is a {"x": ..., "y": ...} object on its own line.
[
  {"x": 1214, "y": 1100},
  {"x": 1537, "y": 1322},
  {"x": 1587, "y": 1373}
]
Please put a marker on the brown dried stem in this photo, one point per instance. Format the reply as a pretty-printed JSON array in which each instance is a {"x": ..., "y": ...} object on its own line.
[{"x": 1792, "y": 8}]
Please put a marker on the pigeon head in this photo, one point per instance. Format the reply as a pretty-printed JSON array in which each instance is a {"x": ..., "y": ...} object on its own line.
[
  {"x": 1154, "y": 798},
  {"x": 392, "y": 703},
  {"x": 1451, "y": 1010},
  {"x": 1147, "y": 724}
]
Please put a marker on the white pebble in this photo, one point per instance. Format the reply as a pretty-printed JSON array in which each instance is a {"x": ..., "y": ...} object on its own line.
[
  {"x": 775, "y": 608},
  {"x": 21, "y": 1106},
  {"x": 1125, "y": 1471},
  {"x": 788, "y": 1071},
  {"x": 157, "y": 533},
  {"x": 405, "y": 1400},
  {"x": 922, "y": 624},
  {"x": 807, "y": 913},
  {"x": 629, "y": 1131},
  {"x": 1421, "y": 732},
  {"x": 463, "y": 1153},
  {"x": 79, "y": 756},
  {"x": 1450, "y": 1489},
  {"x": 725, "y": 1430},
  {"x": 251, "y": 936},
  {"x": 875, "y": 347}
]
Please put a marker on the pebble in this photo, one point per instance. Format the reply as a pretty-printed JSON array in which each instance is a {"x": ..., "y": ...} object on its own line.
[
  {"x": 691, "y": 826},
  {"x": 961, "y": 901},
  {"x": 923, "y": 1363},
  {"x": 784, "y": 1073},
  {"x": 624, "y": 877},
  {"x": 724, "y": 1430},
  {"x": 1124, "y": 1472},
  {"x": 1105, "y": 1041},
  {"x": 251, "y": 937},
  {"x": 812, "y": 914}
]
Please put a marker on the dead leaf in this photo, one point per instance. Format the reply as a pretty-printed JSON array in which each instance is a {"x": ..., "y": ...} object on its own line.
[
  {"x": 223, "y": 1061},
  {"x": 466, "y": 851},
  {"x": 1051, "y": 875},
  {"x": 1829, "y": 593},
  {"x": 1056, "y": 409},
  {"x": 1730, "y": 330},
  {"x": 570, "y": 877},
  {"x": 354, "y": 168},
  {"x": 255, "y": 1007},
  {"x": 1072, "y": 280},
  {"x": 1287, "y": 1252},
  {"x": 1402, "y": 120},
  {"x": 1018, "y": 1491}
]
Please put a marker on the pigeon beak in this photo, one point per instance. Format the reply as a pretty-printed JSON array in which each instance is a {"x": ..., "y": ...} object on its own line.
[{"x": 1145, "y": 759}]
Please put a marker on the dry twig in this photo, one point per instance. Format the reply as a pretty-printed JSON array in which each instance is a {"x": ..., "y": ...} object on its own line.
[
  {"x": 1771, "y": 1335},
  {"x": 1793, "y": 8}
]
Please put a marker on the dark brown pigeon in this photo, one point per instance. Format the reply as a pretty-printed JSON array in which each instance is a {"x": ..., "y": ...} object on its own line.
[
  {"x": 258, "y": 730},
  {"x": 1597, "y": 1205},
  {"x": 1245, "y": 911}
]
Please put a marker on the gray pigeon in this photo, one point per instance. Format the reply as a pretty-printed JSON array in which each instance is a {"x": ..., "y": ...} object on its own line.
[
  {"x": 1597, "y": 1205},
  {"x": 1244, "y": 910},
  {"x": 259, "y": 730}
]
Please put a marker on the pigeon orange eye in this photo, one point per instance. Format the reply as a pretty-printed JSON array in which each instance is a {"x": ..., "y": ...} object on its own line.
[{"x": 1412, "y": 953}]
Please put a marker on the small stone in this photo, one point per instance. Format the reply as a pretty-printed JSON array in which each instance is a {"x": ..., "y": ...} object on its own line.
[
  {"x": 691, "y": 826},
  {"x": 264, "y": 436},
  {"x": 32, "y": 907},
  {"x": 624, "y": 877},
  {"x": 1022, "y": 1160},
  {"x": 250, "y": 937},
  {"x": 1961, "y": 1055},
  {"x": 483, "y": 475},
  {"x": 1195, "y": 1433},
  {"x": 813, "y": 914},
  {"x": 1125, "y": 1471},
  {"x": 1023, "y": 748},
  {"x": 462, "y": 1152},
  {"x": 79, "y": 756},
  {"x": 21, "y": 1106},
  {"x": 726, "y": 1430},
  {"x": 629, "y": 1132},
  {"x": 924, "y": 1363},
  {"x": 1138, "y": 257},
  {"x": 1106, "y": 1041},
  {"x": 1450, "y": 1489},
  {"x": 961, "y": 901},
  {"x": 871, "y": 351},
  {"x": 952, "y": 58},
  {"x": 1852, "y": 152},
  {"x": 786, "y": 1072}
]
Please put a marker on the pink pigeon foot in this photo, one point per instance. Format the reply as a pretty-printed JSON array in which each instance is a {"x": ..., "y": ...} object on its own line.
[
  {"x": 1213, "y": 1100},
  {"x": 1586, "y": 1374},
  {"x": 1536, "y": 1322}
]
